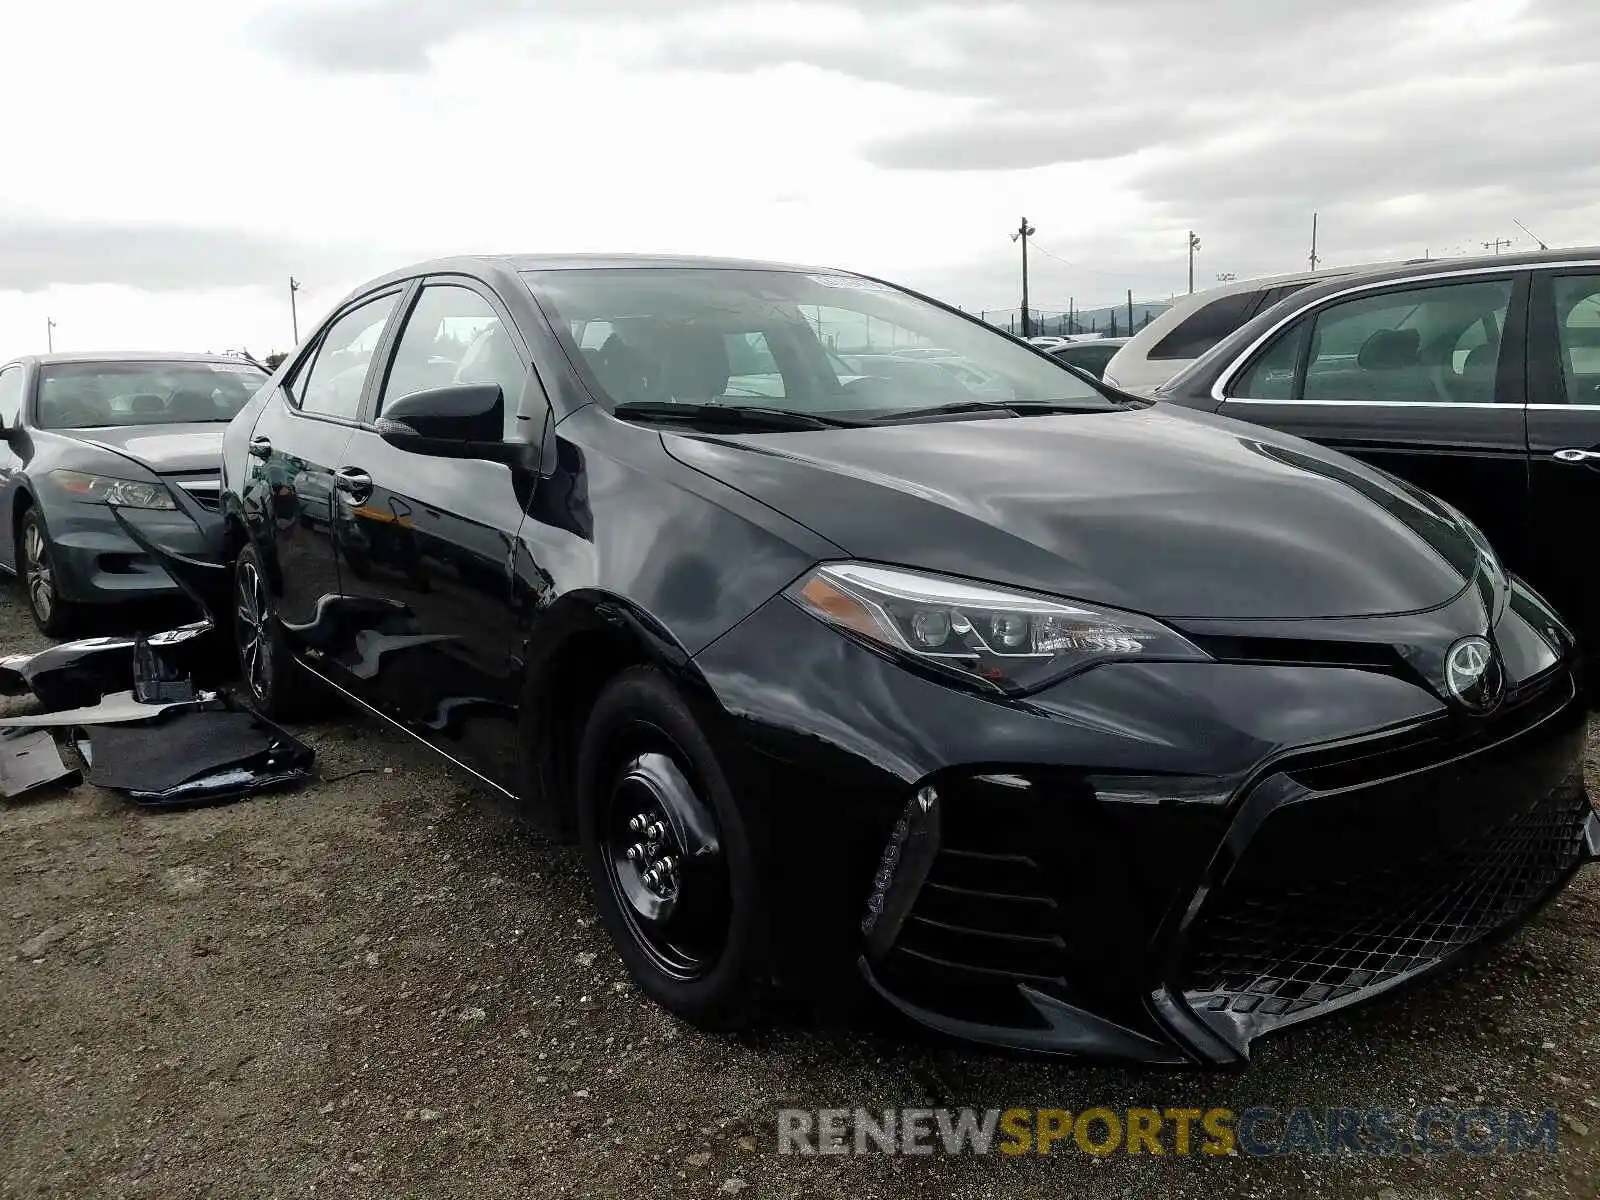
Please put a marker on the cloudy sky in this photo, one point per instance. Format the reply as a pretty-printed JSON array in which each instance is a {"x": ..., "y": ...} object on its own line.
[{"x": 171, "y": 162}]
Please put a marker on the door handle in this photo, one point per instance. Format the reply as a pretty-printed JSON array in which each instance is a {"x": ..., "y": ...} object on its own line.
[
  {"x": 353, "y": 482},
  {"x": 261, "y": 447},
  {"x": 1576, "y": 456}
]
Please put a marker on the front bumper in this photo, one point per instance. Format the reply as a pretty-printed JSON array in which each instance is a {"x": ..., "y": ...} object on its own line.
[
  {"x": 1159, "y": 862},
  {"x": 96, "y": 562}
]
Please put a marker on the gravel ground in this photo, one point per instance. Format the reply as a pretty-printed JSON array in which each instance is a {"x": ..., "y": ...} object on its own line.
[{"x": 382, "y": 985}]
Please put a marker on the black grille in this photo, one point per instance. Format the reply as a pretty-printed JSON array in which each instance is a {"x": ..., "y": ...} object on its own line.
[
  {"x": 1278, "y": 950},
  {"x": 984, "y": 920},
  {"x": 207, "y": 493}
]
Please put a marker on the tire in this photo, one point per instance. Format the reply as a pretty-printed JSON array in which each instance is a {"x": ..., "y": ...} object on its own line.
[
  {"x": 276, "y": 687},
  {"x": 55, "y": 616},
  {"x": 708, "y": 962}
]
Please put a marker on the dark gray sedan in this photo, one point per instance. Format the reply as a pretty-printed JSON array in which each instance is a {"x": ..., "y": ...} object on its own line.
[{"x": 82, "y": 433}]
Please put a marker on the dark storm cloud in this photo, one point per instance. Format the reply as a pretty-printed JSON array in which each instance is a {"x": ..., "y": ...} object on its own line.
[{"x": 35, "y": 254}]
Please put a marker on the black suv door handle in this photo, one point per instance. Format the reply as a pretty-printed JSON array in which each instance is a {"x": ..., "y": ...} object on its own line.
[
  {"x": 1576, "y": 456},
  {"x": 261, "y": 447},
  {"x": 353, "y": 482}
]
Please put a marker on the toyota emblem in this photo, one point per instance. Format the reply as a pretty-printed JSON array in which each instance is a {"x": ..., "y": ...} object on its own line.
[{"x": 1472, "y": 674}]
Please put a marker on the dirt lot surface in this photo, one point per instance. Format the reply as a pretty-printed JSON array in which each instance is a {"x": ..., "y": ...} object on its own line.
[{"x": 382, "y": 986}]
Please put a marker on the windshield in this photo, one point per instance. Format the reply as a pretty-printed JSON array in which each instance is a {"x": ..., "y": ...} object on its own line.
[
  {"x": 90, "y": 394},
  {"x": 809, "y": 343}
]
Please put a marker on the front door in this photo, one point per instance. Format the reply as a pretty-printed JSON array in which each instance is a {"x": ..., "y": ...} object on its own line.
[
  {"x": 1423, "y": 379},
  {"x": 11, "y": 381},
  {"x": 433, "y": 537},
  {"x": 297, "y": 443},
  {"x": 1564, "y": 442}
]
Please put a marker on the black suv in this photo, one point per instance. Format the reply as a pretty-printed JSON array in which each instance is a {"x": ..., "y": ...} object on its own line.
[
  {"x": 1476, "y": 379},
  {"x": 1072, "y": 722}
]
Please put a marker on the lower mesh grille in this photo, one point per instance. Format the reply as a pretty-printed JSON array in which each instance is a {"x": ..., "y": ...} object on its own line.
[{"x": 1278, "y": 950}]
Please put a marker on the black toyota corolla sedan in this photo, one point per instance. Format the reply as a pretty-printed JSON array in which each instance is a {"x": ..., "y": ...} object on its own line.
[
  {"x": 1072, "y": 723},
  {"x": 80, "y": 433}
]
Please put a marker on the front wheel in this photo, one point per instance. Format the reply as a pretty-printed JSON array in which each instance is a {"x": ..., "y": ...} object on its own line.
[
  {"x": 54, "y": 616},
  {"x": 669, "y": 854}
]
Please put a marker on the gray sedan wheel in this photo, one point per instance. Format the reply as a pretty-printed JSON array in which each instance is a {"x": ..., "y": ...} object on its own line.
[{"x": 53, "y": 615}]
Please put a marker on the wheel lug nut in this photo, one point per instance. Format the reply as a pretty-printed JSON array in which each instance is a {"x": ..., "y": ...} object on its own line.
[
  {"x": 637, "y": 824},
  {"x": 635, "y": 852},
  {"x": 656, "y": 832}
]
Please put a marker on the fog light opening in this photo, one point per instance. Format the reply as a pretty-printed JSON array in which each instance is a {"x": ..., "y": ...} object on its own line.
[{"x": 902, "y": 868}]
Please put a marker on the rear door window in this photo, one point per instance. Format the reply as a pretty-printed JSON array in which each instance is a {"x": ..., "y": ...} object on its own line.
[{"x": 1578, "y": 335}]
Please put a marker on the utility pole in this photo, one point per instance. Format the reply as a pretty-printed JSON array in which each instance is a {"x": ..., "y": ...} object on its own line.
[
  {"x": 1530, "y": 233},
  {"x": 1072, "y": 315},
  {"x": 1023, "y": 233},
  {"x": 50, "y": 334},
  {"x": 1314, "y": 258},
  {"x": 1194, "y": 244},
  {"x": 1130, "y": 311},
  {"x": 1496, "y": 244},
  {"x": 294, "y": 314}
]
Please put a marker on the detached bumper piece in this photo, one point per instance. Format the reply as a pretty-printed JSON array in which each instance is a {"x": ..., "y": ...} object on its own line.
[
  {"x": 997, "y": 915},
  {"x": 190, "y": 757}
]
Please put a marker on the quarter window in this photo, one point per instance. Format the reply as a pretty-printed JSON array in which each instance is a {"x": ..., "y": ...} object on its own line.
[
  {"x": 1578, "y": 333},
  {"x": 331, "y": 381},
  {"x": 454, "y": 336},
  {"x": 1438, "y": 344}
]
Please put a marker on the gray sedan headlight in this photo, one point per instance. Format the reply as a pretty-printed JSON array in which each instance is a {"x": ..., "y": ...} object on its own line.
[
  {"x": 103, "y": 489},
  {"x": 991, "y": 637}
]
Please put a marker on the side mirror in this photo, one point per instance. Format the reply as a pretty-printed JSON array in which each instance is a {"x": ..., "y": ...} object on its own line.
[{"x": 464, "y": 421}]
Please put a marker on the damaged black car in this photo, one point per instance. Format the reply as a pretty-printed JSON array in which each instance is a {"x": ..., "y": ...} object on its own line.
[{"x": 1070, "y": 722}]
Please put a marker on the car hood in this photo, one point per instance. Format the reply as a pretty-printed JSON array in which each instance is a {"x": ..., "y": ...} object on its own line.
[
  {"x": 165, "y": 449},
  {"x": 1158, "y": 510}
]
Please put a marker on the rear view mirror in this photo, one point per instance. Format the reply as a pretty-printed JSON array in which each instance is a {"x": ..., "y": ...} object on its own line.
[{"x": 465, "y": 421}]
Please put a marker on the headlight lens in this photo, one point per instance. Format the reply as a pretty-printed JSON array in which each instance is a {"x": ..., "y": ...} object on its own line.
[
  {"x": 102, "y": 489},
  {"x": 989, "y": 637}
]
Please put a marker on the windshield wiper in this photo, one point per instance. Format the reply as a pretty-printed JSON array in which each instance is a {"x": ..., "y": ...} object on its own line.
[
  {"x": 1009, "y": 408},
  {"x": 738, "y": 415}
]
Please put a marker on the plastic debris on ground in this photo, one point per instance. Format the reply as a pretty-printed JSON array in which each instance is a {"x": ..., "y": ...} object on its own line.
[
  {"x": 30, "y": 759},
  {"x": 190, "y": 756},
  {"x": 130, "y": 707}
]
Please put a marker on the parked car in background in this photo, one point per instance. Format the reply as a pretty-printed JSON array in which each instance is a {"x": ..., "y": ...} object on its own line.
[
  {"x": 82, "y": 432},
  {"x": 851, "y": 674},
  {"x": 1091, "y": 355},
  {"x": 1196, "y": 323},
  {"x": 1476, "y": 379}
]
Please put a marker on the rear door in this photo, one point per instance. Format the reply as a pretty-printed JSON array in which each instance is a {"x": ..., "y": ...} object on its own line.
[
  {"x": 295, "y": 447},
  {"x": 1564, "y": 441},
  {"x": 1425, "y": 379}
]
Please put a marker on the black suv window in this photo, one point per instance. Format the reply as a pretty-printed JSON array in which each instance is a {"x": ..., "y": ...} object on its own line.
[
  {"x": 1206, "y": 326},
  {"x": 1578, "y": 332},
  {"x": 329, "y": 383},
  {"x": 1438, "y": 343}
]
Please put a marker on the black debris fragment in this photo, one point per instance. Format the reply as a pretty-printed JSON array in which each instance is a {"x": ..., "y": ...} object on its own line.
[
  {"x": 193, "y": 756},
  {"x": 77, "y": 674}
]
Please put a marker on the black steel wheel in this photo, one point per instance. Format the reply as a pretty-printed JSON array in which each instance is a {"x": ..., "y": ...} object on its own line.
[{"x": 669, "y": 854}]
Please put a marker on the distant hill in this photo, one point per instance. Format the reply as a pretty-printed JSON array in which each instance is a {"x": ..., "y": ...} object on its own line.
[{"x": 1105, "y": 319}]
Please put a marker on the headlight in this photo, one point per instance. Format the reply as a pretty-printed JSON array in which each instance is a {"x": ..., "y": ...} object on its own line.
[
  {"x": 102, "y": 489},
  {"x": 1000, "y": 640}
]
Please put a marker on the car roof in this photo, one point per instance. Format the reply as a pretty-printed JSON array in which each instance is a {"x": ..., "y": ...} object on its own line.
[
  {"x": 130, "y": 356},
  {"x": 471, "y": 263},
  {"x": 1423, "y": 268}
]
